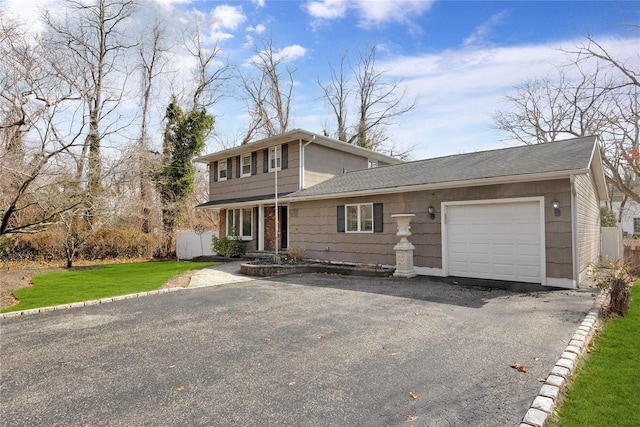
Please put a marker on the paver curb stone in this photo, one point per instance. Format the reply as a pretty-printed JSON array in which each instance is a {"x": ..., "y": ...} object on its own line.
[
  {"x": 85, "y": 303},
  {"x": 555, "y": 384}
]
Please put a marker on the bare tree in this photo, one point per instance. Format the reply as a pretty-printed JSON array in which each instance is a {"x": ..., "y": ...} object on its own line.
[
  {"x": 92, "y": 39},
  {"x": 34, "y": 147},
  {"x": 152, "y": 54},
  {"x": 268, "y": 92},
  {"x": 337, "y": 93},
  {"x": 602, "y": 100},
  {"x": 378, "y": 103},
  {"x": 209, "y": 74}
]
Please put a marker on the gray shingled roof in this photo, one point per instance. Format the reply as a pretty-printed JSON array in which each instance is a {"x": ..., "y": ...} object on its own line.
[{"x": 567, "y": 155}]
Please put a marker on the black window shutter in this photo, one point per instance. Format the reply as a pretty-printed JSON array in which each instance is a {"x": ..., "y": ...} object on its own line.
[
  {"x": 254, "y": 163},
  {"x": 215, "y": 171},
  {"x": 340, "y": 216},
  {"x": 377, "y": 218},
  {"x": 230, "y": 168},
  {"x": 265, "y": 160},
  {"x": 237, "y": 166},
  {"x": 285, "y": 156}
]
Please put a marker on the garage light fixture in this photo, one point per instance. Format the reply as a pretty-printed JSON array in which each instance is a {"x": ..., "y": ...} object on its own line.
[
  {"x": 555, "y": 204},
  {"x": 432, "y": 213}
]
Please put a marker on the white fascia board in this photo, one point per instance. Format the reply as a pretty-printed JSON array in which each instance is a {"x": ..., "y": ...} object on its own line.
[{"x": 546, "y": 176}]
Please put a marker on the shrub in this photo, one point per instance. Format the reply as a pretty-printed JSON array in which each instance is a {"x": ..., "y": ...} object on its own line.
[
  {"x": 230, "y": 247},
  {"x": 297, "y": 251},
  {"x": 109, "y": 243},
  {"x": 617, "y": 280}
]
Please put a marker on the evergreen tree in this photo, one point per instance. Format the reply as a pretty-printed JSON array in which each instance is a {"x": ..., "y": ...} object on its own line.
[{"x": 184, "y": 138}]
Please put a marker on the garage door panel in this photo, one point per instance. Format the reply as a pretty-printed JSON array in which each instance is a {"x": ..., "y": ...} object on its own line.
[{"x": 499, "y": 241}]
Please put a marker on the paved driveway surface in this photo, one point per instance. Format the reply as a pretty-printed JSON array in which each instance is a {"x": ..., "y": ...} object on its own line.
[{"x": 302, "y": 350}]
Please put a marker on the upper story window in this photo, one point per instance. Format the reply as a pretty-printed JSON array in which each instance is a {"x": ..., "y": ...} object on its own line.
[
  {"x": 373, "y": 163},
  {"x": 222, "y": 170},
  {"x": 275, "y": 158},
  {"x": 246, "y": 165},
  {"x": 636, "y": 225}
]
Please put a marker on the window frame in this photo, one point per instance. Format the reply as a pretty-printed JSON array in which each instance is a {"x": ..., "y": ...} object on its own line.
[
  {"x": 360, "y": 219},
  {"x": 239, "y": 215},
  {"x": 636, "y": 221},
  {"x": 244, "y": 174},
  {"x": 277, "y": 158},
  {"x": 221, "y": 169},
  {"x": 372, "y": 163}
]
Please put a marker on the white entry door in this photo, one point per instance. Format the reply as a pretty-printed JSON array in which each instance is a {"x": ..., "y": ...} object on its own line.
[{"x": 501, "y": 240}]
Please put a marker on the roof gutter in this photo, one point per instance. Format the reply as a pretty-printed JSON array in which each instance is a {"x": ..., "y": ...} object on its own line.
[{"x": 546, "y": 176}]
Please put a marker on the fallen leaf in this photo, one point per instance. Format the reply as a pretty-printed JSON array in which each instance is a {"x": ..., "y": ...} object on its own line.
[
  {"x": 393, "y": 354},
  {"x": 172, "y": 366},
  {"x": 542, "y": 380},
  {"x": 416, "y": 314},
  {"x": 536, "y": 358},
  {"x": 180, "y": 387},
  {"x": 267, "y": 339},
  {"x": 291, "y": 383},
  {"x": 320, "y": 337},
  {"x": 411, "y": 417},
  {"x": 519, "y": 367},
  {"x": 414, "y": 396}
]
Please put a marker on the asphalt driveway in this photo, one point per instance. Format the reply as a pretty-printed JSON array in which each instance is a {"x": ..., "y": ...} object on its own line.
[{"x": 302, "y": 350}]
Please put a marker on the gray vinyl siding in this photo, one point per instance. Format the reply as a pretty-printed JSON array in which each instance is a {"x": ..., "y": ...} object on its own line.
[
  {"x": 322, "y": 163},
  {"x": 588, "y": 220},
  {"x": 313, "y": 225},
  {"x": 259, "y": 184}
]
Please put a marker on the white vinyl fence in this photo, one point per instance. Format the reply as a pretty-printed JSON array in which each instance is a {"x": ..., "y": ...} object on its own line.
[
  {"x": 190, "y": 244},
  {"x": 612, "y": 247}
]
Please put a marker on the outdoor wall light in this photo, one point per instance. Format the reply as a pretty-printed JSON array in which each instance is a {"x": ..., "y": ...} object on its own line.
[
  {"x": 555, "y": 204},
  {"x": 432, "y": 213}
]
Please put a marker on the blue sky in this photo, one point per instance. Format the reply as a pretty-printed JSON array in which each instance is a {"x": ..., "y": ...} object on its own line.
[{"x": 459, "y": 59}]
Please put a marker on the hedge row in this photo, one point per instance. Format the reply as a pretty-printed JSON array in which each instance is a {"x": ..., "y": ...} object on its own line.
[{"x": 108, "y": 243}]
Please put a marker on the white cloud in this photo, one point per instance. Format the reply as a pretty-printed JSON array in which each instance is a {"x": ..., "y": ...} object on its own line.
[
  {"x": 370, "y": 13},
  {"x": 259, "y": 3},
  {"x": 327, "y": 9},
  {"x": 258, "y": 29},
  {"x": 376, "y": 13},
  {"x": 227, "y": 17},
  {"x": 459, "y": 90},
  {"x": 291, "y": 53},
  {"x": 481, "y": 32}
]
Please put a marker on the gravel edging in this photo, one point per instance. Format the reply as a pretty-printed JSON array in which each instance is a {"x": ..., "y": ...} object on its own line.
[
  {"x": 86, "y": 303},
  {"x": 556, "y": 383}
]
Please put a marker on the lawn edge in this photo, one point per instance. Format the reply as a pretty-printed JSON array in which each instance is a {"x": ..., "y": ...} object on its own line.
[
  {"x": 19, "y": 313},
  {"x": 555, "y": 386}
]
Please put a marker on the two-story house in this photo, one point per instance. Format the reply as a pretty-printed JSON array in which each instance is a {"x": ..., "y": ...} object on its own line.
[
  {"x": 523, "y": 214},
  {"x": 248, "y": 183}
]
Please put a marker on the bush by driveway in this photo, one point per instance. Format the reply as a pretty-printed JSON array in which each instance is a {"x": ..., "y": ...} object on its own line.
[{"x": 303, "y": 350}]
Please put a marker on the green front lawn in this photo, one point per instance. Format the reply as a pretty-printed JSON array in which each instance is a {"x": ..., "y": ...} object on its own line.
[
  {"x": 606, "y": 391},
  {"x": 100, "y": 282}
]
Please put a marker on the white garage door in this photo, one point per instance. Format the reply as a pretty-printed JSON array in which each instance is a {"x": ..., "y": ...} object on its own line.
[{"x": 500, "y": 241}]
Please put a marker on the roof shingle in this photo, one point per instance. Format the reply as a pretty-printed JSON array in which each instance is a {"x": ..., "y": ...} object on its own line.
[{"x": 567, "y": 155}]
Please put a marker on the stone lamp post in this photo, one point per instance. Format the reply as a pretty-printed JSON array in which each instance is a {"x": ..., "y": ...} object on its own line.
[{"x": 404, "y": 248}]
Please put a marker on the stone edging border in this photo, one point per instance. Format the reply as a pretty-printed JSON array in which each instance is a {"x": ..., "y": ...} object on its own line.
[
  {"x": 556, "y": 384},
  {"x": 85, "y": 303},
  {"x": 270, "y": 270}
]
